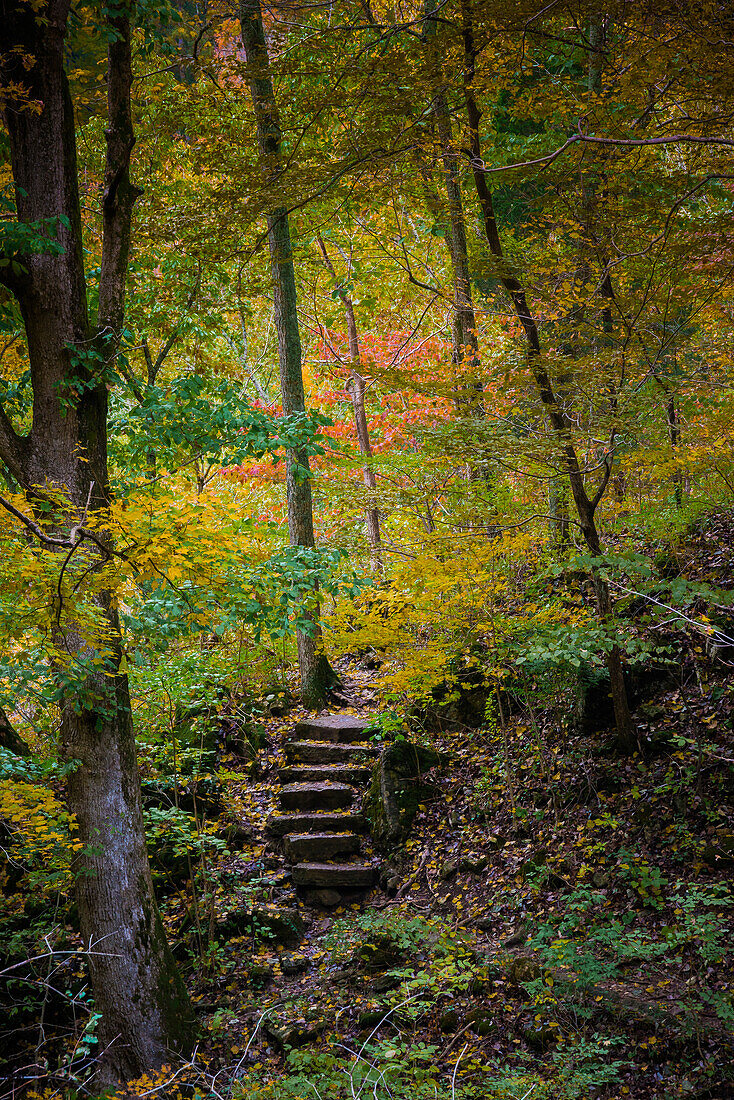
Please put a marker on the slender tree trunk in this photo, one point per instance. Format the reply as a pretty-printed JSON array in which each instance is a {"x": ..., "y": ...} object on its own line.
[
  {"x": 557, "y": 417},
  {"x": 317, "y": 676},
  {"x": 356, "y": 389},
  {"x": 464, "y": 323},
  {"x": 145, "y": 1013},
  {"x": 464, "y": 338},
  {"x": 673, "y": 423}
]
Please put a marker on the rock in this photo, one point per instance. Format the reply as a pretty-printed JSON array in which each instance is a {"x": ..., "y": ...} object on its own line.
[
  {"x": 594, "y": 710},
  {"x": 317, "y": 847},
  {"x": 170, "y": 870},
  {"x": 482, "y": 1021},
  {"x": 332, "y": 727},
  {"x": 245, "y": 739},
  {"x": 667, "y": 564},
  {"x": 516, "y": 938},
  {"x": 270, "y": 922},
  {"x": 537, "y": 1035},
  {"x": 651, "y": 711},
  {"x": 201, "y": 795},
  {"x": 285, "y": 1033},
  {"x": 335, "y": 876},
  {"x": 524, "y": 969},
  {"x": 354, "y": 775},
  {"x": 327, "y": 898},
  {"x": 392, "y": 800},
  {"x": 534, "y": 862},
  {"x": 448, "y": 1022},
  {"x": 282, "y": 925},
  {"x": 278, "y": 701},
  {"x": 371, "y": 661},
  {"x": 480, "y": 984},
  {"x": 372, "y": 1017},
  {"x": 377, "y": 954},
  {"x": 281, "y": 824},
  {"x": 460, "y": 703},
  {"x": 383, "y": 983},
  {"x": 10, "y": 739},
  {"x": 260, "y": 974},
  {"x": 316, "y": 796},
  {"x": 720, "y": 852},
  {"x": 294, "y": 964},
  {"x": 239, "y": 834},
  {"x": 473, "y": 865},
  {"x": 328, "y": 752}
]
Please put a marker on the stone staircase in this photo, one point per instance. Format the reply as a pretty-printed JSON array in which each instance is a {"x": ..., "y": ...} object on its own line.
[{"x": 322, "y": 832}]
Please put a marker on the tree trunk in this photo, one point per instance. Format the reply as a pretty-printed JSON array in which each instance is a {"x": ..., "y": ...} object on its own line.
[
  {"x": 145, "y": 1013},
  {"x": 10, "y": 739},
  {"x": 673, "y": 424},
  {"x": 465, "y": 342},
  {"x": 464, "y": 323},
  {"x": 356, "y": 389},
  {"x": 317, "y": 676},
  {"x": 558, "y": 419}
]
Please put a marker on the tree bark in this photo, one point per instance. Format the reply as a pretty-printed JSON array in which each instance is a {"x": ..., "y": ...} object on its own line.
[
  {"x": 145, "y": 1013},
  {"x": 317, "y": 676},
  {"x": 10, "y": 739}
]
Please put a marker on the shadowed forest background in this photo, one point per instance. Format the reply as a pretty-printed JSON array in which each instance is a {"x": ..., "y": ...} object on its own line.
[{"x": 366, "y": 566}]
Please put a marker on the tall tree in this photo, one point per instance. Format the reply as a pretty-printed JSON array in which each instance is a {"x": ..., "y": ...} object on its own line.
[
  {"x": 317, "y": 676},
  {"x": 145, "y": 1013},
  {"x": 464, "y": 338},
  {"x": 559, "y": 418},
  {"x": 356, "y": 387}
]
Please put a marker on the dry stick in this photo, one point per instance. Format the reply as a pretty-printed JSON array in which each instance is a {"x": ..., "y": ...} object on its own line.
[
  {"x": 250, "y": 1041},
  {"x": 456, "y": 1067},
  {"x": 452, "y": 1042}
]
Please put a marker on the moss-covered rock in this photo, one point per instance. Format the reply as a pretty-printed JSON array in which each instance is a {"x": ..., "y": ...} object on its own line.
[
  {"x": 379, "y": 953},
  {"x": 392, "y": 799}
]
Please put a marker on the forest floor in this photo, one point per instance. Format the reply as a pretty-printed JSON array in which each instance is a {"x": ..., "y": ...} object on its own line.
[{"x": 557, "y": 924}]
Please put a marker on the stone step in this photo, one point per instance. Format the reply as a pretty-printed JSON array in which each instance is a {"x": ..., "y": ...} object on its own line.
[
  {"x": 281, "y": 824},
  {"x": 320, "y": 773},
  {"x": 332, "y": 727},
  {"x": 335, "y": 876},
  {"x": 316, "y": 796},
  {"x": 328, "y": 752},
  {"x": 319, "y": 846}
]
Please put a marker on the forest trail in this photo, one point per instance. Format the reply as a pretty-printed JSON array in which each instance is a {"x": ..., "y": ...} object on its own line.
[{"x": 328, "y": 761}]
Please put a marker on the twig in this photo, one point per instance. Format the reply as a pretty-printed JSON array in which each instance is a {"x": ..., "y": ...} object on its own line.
[{"x": 456, "y": 1067}]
